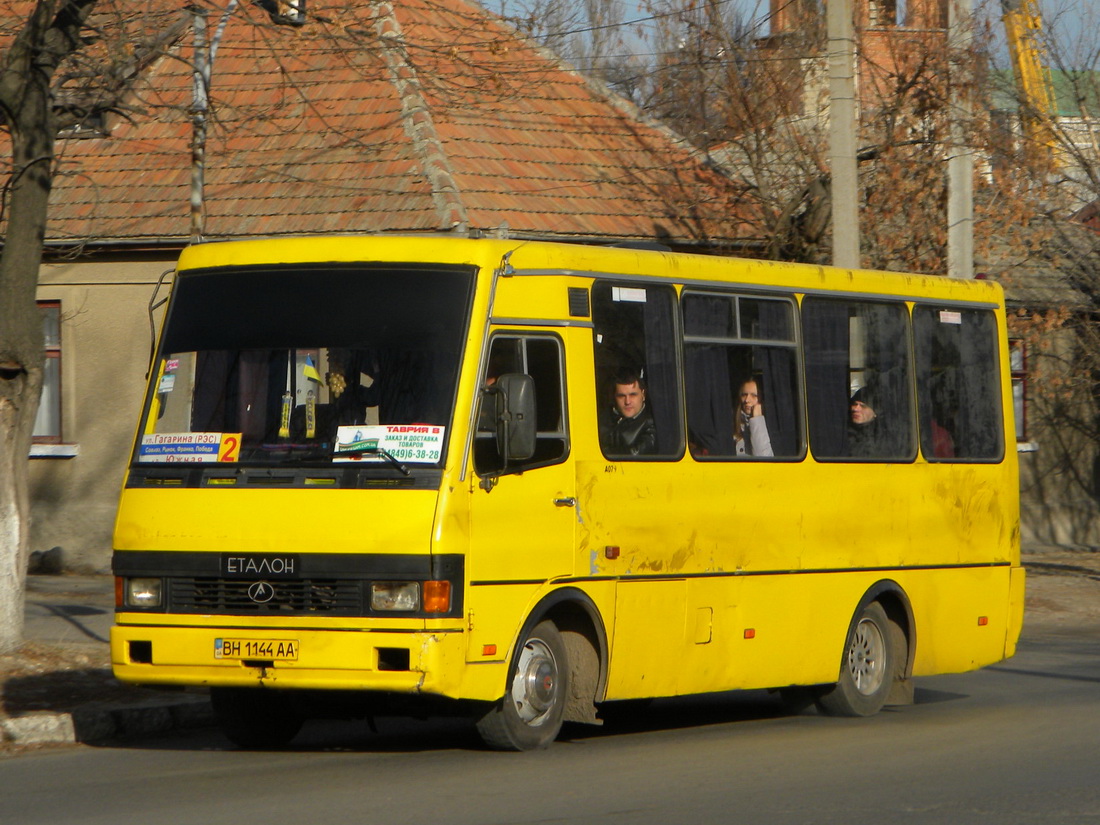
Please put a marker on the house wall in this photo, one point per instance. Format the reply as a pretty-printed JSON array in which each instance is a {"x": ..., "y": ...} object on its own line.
[
  {"x": 1060, "y": 459},
  {"x": 105, "y": 346},
  {"x": 1055, "y": 506}
]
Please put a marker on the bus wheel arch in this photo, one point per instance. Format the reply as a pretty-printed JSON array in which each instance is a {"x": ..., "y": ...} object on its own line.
[
  {"x": 563, "y": 641},
  {"x": 586, "y": 642},
  {"x": 877, "y": 661}
]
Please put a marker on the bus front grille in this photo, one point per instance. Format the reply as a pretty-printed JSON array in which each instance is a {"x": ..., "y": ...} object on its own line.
[{"x": 333, "y": 597}]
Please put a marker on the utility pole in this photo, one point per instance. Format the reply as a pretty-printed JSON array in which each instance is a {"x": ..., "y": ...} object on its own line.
[
  {"x": 960, "y": 163},
  {"x": 842, "y": 133},
  {"x": 200, "y": 104},
  {"x": 201, "y": 82}
]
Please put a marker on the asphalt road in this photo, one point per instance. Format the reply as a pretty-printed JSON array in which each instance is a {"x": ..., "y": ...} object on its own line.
[{"x": 1014, "y": 743}]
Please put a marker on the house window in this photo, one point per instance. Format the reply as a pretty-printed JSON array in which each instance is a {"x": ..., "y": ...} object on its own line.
[
  {"x": 883, "y": 13},
  {"x": 47, "y": 426},
  {"x": 1017, "y": 359}
]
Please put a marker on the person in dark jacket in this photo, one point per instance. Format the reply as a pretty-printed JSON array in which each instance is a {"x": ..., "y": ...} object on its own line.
[
  {"x": 629, "y": 429},
  {"x": 867, "y": 437}
]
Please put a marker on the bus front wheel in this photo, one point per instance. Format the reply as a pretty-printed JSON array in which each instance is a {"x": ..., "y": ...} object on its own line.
[
  {"x": 256, "y": 718},
  {"x": 866, "y": 672},
  {"x": 529, "y": 715}
]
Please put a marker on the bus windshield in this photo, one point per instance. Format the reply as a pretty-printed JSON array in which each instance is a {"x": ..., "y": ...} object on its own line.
[{"x": 291, "y": 366}]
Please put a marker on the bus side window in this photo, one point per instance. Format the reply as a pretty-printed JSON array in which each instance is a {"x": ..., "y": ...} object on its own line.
[
  {"x": 958, "y": 385},
  {"x": 858, "y": 379},
  {"x": 722, "y": 358},
  {"x": 634, "y": 329},
  {"x": 541, "y": 358}
]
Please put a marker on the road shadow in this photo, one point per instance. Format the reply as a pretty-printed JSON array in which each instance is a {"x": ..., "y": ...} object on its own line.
[
  {"x": 72, "y": 614},
  {"x": 402, "y": 735}
]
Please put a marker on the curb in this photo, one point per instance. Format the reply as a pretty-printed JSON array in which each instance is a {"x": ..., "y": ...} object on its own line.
[{"x": 101, "y": 723}]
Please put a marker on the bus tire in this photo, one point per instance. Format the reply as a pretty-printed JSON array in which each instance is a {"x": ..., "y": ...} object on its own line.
[
  {"x": 256, "y": 718},
  {"x": 529, "y": 716},
  {"x": 867, "y": 670}
]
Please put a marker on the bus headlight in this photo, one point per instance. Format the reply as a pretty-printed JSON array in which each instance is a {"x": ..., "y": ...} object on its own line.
[
  {"x": 395, "y": 596},
  {"x": 143, "y": 592}
]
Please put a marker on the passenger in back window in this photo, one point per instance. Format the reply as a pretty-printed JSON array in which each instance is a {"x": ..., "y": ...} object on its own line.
[
  {"x": 866, "y": 434},
  {"x": 750, "y": 430}
]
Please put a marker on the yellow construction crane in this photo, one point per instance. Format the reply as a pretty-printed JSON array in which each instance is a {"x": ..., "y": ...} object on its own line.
[{"x": 1024, "y": 28}]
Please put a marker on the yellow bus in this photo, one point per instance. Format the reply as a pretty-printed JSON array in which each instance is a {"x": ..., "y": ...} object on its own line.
[{"x": 524, "y": 481}]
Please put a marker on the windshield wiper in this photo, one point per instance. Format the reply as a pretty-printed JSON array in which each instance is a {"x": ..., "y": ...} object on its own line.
[{"x": 375, "y": 450}]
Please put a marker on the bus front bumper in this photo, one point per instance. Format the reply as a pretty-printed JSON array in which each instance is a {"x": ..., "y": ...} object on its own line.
[{"x": 417, "y": 662}]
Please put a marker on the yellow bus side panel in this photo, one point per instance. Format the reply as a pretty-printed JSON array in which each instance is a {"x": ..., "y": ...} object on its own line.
[
  {"x": 964, "y": 618},
  {"x": 744, "y": 632}
]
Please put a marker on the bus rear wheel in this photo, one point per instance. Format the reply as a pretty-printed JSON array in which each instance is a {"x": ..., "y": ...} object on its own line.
[
  {"x": 256, "y": 718},
  {"x": 866, "y": 673},
  {"x": 529, "y": 715}
]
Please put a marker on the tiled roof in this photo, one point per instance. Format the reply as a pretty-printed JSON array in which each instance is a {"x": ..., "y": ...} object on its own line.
[
  {"x": 1046, "y": 264},
  {"x": 422, "y": 115}
]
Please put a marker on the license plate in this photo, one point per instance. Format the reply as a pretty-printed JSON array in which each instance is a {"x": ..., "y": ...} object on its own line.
[{"x": 285, "y": 650}]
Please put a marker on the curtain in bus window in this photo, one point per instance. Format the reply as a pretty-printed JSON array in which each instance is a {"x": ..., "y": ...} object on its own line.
[
  {"x": 957, "y": 384},
  {"x": 707, "y": 373},
  {"x": 239, "y": 391},
  {"x": 980, "y": 428},
  {"x": 886, "y": 359},
  {"x": 214, "y": 375},
  {"x": 407, "y": 386},
  {"x": 778, "y": 368},
  {"x": 634, "y": 333},
  {"x": 662, "y": 370},
  {"x": 858, "y": 347},
  {"x": 781, "y": 398},
  {"x": 825, "y": 336}
]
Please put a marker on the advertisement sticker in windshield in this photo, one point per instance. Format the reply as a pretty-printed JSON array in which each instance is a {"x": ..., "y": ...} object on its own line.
[{"x": 413, "y": 443}]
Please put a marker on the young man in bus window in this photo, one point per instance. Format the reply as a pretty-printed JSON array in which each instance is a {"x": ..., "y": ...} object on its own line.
[{"x": 629, "y": 430}]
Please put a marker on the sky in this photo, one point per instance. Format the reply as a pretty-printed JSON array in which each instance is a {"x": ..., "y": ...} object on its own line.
[{"x": 1072, "y": 25}]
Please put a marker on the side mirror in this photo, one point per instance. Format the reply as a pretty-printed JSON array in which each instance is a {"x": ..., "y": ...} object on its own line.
[{"x": 515, "y": 403}]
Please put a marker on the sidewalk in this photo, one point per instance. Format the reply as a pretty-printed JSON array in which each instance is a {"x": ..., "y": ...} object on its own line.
[{"x": 59, "y": 688}]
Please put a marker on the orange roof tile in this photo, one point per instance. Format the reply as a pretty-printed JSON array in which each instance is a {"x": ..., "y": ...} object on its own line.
[{"x": 421, "y": 115}]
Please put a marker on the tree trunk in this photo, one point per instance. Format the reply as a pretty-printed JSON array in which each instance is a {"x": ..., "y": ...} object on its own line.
[
  {"x": 20, "y": 384},
  {"x": 50, "y": 33},
  {"x": 21, "y": 349}
]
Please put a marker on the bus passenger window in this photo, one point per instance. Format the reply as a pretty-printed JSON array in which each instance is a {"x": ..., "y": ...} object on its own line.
[
  {"x": 958, "y": 389},
  {"x": 742, "y": 393},
  {"x": 541, "y": 358},
  {"x": 637, "y": 372},
  {"x": 858, "y": 380}
]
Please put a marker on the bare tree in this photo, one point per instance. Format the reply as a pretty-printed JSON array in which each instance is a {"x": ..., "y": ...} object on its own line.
[
  {"x": 1049, "y": 159},
  {"x": 50, "y": 33}
]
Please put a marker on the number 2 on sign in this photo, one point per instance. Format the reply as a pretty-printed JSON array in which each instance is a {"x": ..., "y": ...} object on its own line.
[{"x": 230, "y": 447}]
